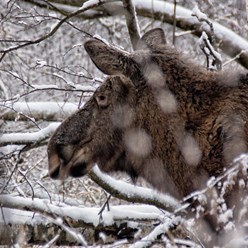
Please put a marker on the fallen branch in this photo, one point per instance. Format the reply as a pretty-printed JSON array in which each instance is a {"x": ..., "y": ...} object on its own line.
[{"x": 84, "y": 216}]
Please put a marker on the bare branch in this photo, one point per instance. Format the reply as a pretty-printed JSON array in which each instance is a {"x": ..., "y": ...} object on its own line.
[
  {"x": 132, "y": 23},
  {"x": 231, "y": 43},
  {"x": 55, "y": 28}
]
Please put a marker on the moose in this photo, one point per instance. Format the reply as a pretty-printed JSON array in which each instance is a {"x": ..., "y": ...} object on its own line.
[{"x": 158, "y": 115}]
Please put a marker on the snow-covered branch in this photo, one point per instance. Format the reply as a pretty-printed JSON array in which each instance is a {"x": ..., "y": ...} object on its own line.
[
  {"x": 161, "y": 229},
  {"x": 28, "y": 138},
  {"x": 88, "y": 216},
  {"x": 209, "y": 50},
  {"x": 231, "y": 43},
  {"x": 133, "y": 193},
  {"x": 48, "y": 111}
]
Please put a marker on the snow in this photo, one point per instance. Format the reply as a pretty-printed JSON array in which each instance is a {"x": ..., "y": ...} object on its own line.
[
  {"x": 54, "y": 26},
  {"x": 89, "y": 3},
  {"x": 44, "y": 86},
  {"x": 200, "y": 15},
  {"x": 238, "y": 242},
  {"x": 226, "y": 216}
]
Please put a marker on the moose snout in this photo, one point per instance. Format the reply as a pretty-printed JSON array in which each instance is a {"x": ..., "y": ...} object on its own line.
[
  {"x": 54, "y": 166},
  {"x": 67, "y": 161}
]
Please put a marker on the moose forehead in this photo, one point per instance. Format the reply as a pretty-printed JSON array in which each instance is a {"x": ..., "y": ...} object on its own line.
[
  {"x": 116, "y": 91},
  {"x": 117, "y": 88}
]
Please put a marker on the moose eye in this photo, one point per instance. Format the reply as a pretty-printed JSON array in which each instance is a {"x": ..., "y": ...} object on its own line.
[{"x": 102, "y": 100}]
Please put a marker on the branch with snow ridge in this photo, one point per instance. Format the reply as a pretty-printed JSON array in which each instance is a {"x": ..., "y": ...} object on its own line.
[
  {"x": 48, "y": 111},
  {"x": 28, "y": 138},
  {"x": 133, "y": 193}
]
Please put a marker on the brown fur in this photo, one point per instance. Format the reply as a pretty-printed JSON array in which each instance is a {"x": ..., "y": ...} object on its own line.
[{"x": 158, "y": 116}]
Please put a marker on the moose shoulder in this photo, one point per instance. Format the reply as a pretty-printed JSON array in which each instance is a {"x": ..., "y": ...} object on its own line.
[{"x": 158, "y": 116}]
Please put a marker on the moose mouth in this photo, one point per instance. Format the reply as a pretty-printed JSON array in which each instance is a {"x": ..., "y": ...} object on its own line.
[
  {"x": 68, "y": 161},
  {"x": 73, "y": 168}
]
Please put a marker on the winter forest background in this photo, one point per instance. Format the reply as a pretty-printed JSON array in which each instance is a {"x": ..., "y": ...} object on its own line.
[{"x": 45, "y": 75}]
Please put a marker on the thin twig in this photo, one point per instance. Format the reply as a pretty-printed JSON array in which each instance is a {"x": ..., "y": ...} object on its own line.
[{"x": 54, "y": 29}]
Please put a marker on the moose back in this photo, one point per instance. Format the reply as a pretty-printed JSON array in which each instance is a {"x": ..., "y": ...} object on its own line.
[{"x": 158, "y": 115}]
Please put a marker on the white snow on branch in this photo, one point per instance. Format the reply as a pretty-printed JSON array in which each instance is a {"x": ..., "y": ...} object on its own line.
[
  {"x": 89, "y": 3},
  {"x": 88, "y": 215},
  {"x": 38, "y": 110},
  {"x": 77, "y": 236},
  {"x": 160, "y": 229},
  {"x": 209, "y": 49},
  {"x": 40, "y": 63},
  {"x": 132, "y": 190},
  {"x": 28, "y": 138},
  {"x": 44, "y": 86},
  {"x": 76, "y": 86},
  {"x": 200, "y": 15}
]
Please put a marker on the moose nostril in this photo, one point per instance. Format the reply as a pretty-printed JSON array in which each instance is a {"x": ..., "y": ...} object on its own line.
[
  {"x": 78, "y": 169},
  {"x": 101, "y": 98},
  {"x": 54, "y": 174}
]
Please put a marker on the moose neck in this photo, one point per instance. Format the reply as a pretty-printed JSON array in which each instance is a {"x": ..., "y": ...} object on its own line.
[{"x": 161, "y": 164}]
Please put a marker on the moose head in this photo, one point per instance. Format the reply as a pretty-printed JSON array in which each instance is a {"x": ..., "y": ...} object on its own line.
[{"x": 158, "y": 115}]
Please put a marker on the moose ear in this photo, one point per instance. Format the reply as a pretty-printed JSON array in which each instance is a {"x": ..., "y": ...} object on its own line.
[
  {"x": 151, "y": 39},
  {"x": 106, "y": 58}
]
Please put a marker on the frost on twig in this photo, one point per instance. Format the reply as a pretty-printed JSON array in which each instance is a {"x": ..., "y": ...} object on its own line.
[
  {"x": 209, "y": 51},
  {"x": 208, "y": 46},
  {"x": 54, "y": 28},
  {"x": 161, "y": 229},
  {"x": 234, "y": 183}
]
